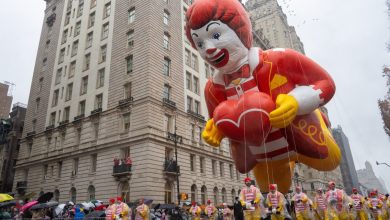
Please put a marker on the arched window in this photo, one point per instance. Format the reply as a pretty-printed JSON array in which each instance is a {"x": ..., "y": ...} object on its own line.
[
  {"x": 125, "y": 191},
  {"x": 233, "y": 195},
  {"x": 203, "y": 194},
  {"x": 56, "y": 195},
  {"x": 239, "y": 191},
  {"x": 215, "y": 191},
  {"x": 41, "y": 193},
  {"x": 224, "y": 194},
  {"x": 73, "y": 195},
  {"x": 193, "y": 193},
  {"x": 168, "y": 193},
  {"x": 91, "y": 193}
]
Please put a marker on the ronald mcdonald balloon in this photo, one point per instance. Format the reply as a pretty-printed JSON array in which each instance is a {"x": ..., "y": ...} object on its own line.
[{"x": 265, "y": 102}]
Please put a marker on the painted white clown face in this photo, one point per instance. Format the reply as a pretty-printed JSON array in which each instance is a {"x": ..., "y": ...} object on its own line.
[{"x": 220, "y": 46}]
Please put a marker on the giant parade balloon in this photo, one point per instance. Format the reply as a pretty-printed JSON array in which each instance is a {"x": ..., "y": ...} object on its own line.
[{"x": 266, "y": 102}]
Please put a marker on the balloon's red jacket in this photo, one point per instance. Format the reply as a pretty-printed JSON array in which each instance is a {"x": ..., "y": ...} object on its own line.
[{"x": 274, "y": 72}]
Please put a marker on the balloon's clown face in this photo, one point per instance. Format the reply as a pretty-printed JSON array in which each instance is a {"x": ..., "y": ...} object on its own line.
[{"x": 220, "y": 46}]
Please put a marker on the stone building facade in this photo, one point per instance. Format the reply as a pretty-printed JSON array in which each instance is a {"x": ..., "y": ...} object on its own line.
[
  {"x": 112, "y": 81},
  {"x": 5, "y": 100},
  {"x": 10, "y": 134},
  {"x": 369, "y": 181}
]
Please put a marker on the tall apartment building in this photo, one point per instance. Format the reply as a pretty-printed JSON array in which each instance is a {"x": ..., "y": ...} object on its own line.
[
  {"x": 5, "y": 100},
  {"x": 347, "y": 166},
  {"x": 10, "y": 133},
  {"x": 369, "y": 181},
  {"x": 112, "y": 80},
  {"x": 268, "y": 16}
]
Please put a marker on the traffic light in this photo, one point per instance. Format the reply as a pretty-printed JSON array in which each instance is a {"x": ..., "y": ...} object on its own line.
[{"x": 183, "y": 196}]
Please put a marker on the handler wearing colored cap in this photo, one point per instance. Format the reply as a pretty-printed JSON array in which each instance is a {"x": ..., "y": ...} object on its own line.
[
  {"x": 358, "y": 202},
  {"x": 275, "y": 201},
  {"x": 301, "y": 204},
  {"x": 110, "y": 211},
  {"x": 210, "y": 210},
  {"x": 195, "y": 211},
  {"x": 142, "y": 211},
  {"x": 250, "y": 198},
  {"x": 122, "y": 210}
]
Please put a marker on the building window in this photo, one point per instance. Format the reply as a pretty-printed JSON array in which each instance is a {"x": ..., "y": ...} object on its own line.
[
  {"x": 221, "y": 169},
  {"x": 29, "y": 149},
  {"x": 93, "y": 3},
  {"x": 66, "y": 114},
  {"x": 129, "y": 64},
  {"x": 196, "y": 85},
  {"x": 99, "y": 101},
  {"x": 200, "y": 135},
  {"x": 201, "y": 159},
  {"x": 231, "y": 171},
  {"x": 194, "y": 62},
  {"x": 224, "y": 195},
  {"x": 167, "y": 66},
  {"x": 56, "y": 195},
  {"x": 96, "y": 130},
  {"x": 87, "y": 61},
  {"x": 125, "y": 191},
  {"x": 188, "y": 81},
  {"x": 93, "y": 163},
  {"x": 203, "y": 194},
  {"x": 91, "y": 193},
  {"x": 197, "y": 107},
  {"x": 40, "y": 84},
  {"x": 214, "y": 167},
  {"x": 130, "y": 38},
  {"x": 72, "y": 69},
  {"x": 192, "y": 132},
  {"x": 107, "y": 10},
  {"x": 45, "y": 168},
  {"x": 192, "y": 162},
  {"x": 73, "y": 195},
  {"x": 55, "y": 98},
  {"x": 69, "y": 90},
  {"x": 61, "y": 56},
  {"x": 64, "y": 36},
  {"x": 207, "y": 70},
  {"x": 91, "y": 20},
  {"x": 233, "y": 192},
  {"x": 215, "y": 195},
  {"x": 77, "y": 29},
  {"x": 166, "y": 41},
  {"x": 127, "y": 90},
  {"x": 59, "y": 165},
  {"x": 44, "y": 62},
  {"x": 193, "y": 193},
  {"x": 167, "y": 92},
  {"x": 100, "y": 78},
  {"x": 166, "y": 17},
  {"x": 103, "y": 53},
  {"x": 168, "y": 123},
  {"x": 105, "y": 30},
  {"x": 82, "y": 107},
  {"x": 189, "y": 103},
  {"x": 67, "y": 18},
  {"x": 37, "y": 104},
  {"x": 131, "y": 17},
  {"x": 187, "y": 56},
  {"x": 58, "y": 76},
  {"x": 126, "y": 122},
  {"x": 78, "y": 135},
  {"x": 75, "y": 47},
  {"x": 84, "y": 85},
  {"x": 75, "y": 166},
  {"x": 168, "y": 193},
  {"x": 52, "y": 118},
  {"x": 89, "y": 39},
  {"x": 80, "y": 9}
]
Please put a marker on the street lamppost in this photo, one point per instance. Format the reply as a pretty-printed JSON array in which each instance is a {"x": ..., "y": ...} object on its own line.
[
  {"x": 377, "y": 163},
  {"x": 176, "y": 139}
]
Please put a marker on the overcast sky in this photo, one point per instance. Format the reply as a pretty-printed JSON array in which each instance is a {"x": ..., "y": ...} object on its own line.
[{"x": 348, "y": 38}]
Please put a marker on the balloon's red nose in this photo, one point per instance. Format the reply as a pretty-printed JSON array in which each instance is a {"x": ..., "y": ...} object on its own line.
[{"x": 211, "y": 51}]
